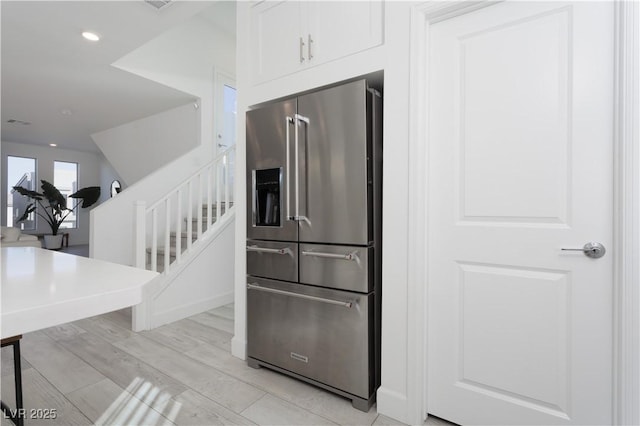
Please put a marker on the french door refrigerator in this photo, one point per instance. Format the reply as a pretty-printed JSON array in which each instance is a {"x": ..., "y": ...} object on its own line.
[{"x": 314, "y": 190}]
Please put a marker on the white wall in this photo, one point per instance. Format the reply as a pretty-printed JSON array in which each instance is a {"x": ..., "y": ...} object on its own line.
[
  {"x": 107, "y": 175},
  {"x": 209, "y": 276},
  {"x": 393, "y": 58},
  {"x": 88, "y": 175},
  {"x": 138, "y": 148},
  {"x": 183, "y": 58},
  {"x": 187, "y": 58}
]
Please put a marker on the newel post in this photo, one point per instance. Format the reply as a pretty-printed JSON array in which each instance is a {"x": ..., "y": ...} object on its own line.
[
  {"x": 140, "y": 227},
  {"x": 139, "y": 317}
]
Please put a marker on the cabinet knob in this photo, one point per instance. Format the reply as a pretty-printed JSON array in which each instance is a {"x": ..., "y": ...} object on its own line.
[{"x": 301, "y": 50}]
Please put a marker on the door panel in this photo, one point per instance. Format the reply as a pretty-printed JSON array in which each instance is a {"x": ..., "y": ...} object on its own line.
[
  {"x": 523, "y": 70},
  {"x": 335, "y": 166},
  {"x": 267, "y": 173},
  {"x": 310, "y": 336},
  {"x": 520, "y": 132}
]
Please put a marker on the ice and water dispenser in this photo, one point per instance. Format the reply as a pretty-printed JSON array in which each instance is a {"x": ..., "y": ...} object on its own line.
[{"x": 266, "y": 198}]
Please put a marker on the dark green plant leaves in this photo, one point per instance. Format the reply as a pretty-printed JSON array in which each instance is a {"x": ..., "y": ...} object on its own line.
[
  {"x": 53, "y": 205},
  {"x": 88, "y": 195},
  {"x": 28, "y": 193},
  {"x": 30, "y": 209},
  {"x": 56, "y": 199}
]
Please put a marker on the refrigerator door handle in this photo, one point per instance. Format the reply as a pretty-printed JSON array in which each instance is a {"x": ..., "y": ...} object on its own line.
[
  {"x": 288, "y": 122},
  {"x": 353, "y": 256},
  {"x": 298, "y": 117},
  {"x": 255, "y": 286},
  {"x": 285, "y": 250}
]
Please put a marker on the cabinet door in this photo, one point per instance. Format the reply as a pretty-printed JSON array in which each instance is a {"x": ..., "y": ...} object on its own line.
[
  {"x": 276, "y": 32},
  {"x": 338, "y": 29}
]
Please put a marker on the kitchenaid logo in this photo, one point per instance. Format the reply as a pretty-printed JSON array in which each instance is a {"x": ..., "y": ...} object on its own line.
[{"x": 299, "y": 357}]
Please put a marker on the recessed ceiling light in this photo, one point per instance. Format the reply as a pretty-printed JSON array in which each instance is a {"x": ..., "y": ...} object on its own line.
[
  {"x": 53, "y": 144},
  {"x": 90, "y": 36}
]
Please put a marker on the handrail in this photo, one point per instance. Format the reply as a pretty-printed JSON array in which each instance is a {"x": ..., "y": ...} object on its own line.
[
  {"x": 159, "y": 227},
  {"x": 218, "y": 157}
]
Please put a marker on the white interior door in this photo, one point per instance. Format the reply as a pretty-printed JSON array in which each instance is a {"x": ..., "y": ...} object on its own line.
[
  {"x": 225, "y": 112},
  {"x": 520, "y": 139}
]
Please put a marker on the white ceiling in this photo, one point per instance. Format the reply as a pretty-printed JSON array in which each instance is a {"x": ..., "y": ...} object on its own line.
[{"x": 49, "y": 70}]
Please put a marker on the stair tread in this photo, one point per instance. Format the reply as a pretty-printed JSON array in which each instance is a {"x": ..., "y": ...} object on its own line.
[
  {"x": 184, "y": 234},
  {"x": 215, "y": 203},
  {"x": 172, "y": 250}
]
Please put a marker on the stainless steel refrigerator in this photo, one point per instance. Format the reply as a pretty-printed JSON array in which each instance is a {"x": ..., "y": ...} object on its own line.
[{"x": 314, "y": 190}]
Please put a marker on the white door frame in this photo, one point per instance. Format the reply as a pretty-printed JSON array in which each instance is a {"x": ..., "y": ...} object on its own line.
[{"x": 626, "y": 309}]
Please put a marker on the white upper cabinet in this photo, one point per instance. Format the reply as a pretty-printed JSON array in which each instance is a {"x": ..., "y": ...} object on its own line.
[
  {"x": 275, "y": 44},
  {"x": 338, "y": 29},
  {"x": 289, "y": 36}
]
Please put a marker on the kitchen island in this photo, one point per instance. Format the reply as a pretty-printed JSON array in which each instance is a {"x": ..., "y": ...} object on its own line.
[{"x": 43, "y": 288}]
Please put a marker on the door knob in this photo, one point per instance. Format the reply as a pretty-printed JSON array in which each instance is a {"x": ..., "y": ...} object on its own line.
[{"x": 592, "y": 249}]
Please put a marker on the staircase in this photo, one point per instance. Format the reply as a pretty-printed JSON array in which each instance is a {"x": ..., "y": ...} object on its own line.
[
  {"x": 184, "y": 237},
  {"x": 175, "y": 226}
]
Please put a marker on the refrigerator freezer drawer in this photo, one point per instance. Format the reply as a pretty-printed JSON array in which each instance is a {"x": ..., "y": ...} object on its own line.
[
  {"x": 272, "y": 259},
  {"x": 339, "y": 267},
  {"x": 324, "y": 335}
]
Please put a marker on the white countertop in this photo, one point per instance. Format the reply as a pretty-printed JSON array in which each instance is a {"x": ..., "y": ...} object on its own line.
[{"x": 42, "y": 288}]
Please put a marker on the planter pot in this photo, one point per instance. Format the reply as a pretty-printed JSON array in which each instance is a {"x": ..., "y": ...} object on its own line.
[{"x": 53, "y": 242}]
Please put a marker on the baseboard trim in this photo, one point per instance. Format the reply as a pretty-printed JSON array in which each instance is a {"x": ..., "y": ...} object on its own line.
[
  {"x": 392, "y": 404},
  {"x": 161, "y": 318}
]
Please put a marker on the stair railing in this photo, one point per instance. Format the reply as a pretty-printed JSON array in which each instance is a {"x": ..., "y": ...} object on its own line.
[{"x": 159, "y": 228}]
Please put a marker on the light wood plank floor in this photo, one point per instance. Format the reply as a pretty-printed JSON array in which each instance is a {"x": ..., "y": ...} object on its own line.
[{"x": 97, "y": 371}]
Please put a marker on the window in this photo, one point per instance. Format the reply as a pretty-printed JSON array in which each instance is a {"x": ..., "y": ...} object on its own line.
[
  {"x": 65, "y": 178},
  {"x": 20, "y": 172}
]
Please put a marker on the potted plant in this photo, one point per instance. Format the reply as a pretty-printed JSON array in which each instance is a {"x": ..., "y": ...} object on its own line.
[{"x": 53, "y": 207}]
